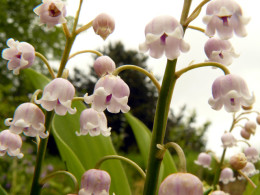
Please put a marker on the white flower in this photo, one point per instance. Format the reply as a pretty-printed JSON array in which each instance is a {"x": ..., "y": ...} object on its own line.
[
  {"x": 204, "y": 160},
  {"x": 104, "y": 65},
  {"x": 249, "y": 170},
  {"x": 227, "y": 175},
  {"x": 21, "y": 55},
  {"x": 103, "y": 25},
  {"x": 252, "y": 154},
  {"x": 228, "y": 140}
]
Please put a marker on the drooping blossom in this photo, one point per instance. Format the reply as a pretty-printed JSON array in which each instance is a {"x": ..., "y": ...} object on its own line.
[
  {"x": 103, "y": 25},
  {"x": 164, "y": 34},
  {"x": 238, "y": 161},
  {"x": 249, "y": 170},
  {"x": 57, "y": 95},
  {"x": 252, "y": 154},
  {"x": 104, "y": 65},
  {"x": 225, "y": 16},
  {"x": 245, "y": 134},
  {"x": 21, "y": 55},
  {"x": 230, "y": 91},
  {"x": 221, "y": 51},
  {"x": 181, "y": 183},
  {"x": 227, "y": 175},
  {"x": 204, "y": 160},
  {"x": 228, "y": 140},
  {"x": 250, "y": 127},
  {"x": 110, "y": 92},
  {"x": 95, "y": 182},
  {"x": 10, "y": 143},
  {"x": 219, "y": 192},
  {"x": 51, "y": 12},
  {"x": 29, "y": 119},
  {"x": 93, "y": 122}
]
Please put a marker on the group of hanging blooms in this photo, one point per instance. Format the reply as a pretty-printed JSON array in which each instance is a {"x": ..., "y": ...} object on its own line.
[{"x": 163, "y": 36}]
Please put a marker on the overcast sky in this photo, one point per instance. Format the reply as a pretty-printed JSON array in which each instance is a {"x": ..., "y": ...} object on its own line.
[{"x": 193, "y": 88}]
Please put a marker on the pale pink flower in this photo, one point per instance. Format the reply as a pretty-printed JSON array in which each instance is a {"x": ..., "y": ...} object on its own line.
[
  {"x": 164, "y": 34},
  {"x": 181, "y": 183},
  {"x": 225, "y": 16},
  {"x": 103, "y": 25},
  {"x": 227, "y": 175},
  {"x": 57, "y": 95},
  {"x": 51, "y": 12},
  {"x": 29, "y": 119},
  {"x": 10, "y": 143},
  {"x": 249, "y": 170},
  {"x": 96, "y": 182},
  {"x": 21, "y": 55},
  {"x": 93, "y": 122},
  {"x": 252, "y": 154},
  {"x": 230, "y": 91},
  {"x": 219, "y": 192},
  {"x": 110, "y": 92},
  {"x": 228, "y": 140},
  {"x": 104, "y": 65},
  {"x": 218, "y": 50},
  {"x": 204, "y": 160},
  {"x": 250, "y": 127}
]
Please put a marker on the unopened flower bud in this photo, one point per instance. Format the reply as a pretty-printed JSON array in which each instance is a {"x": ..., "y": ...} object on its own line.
[
  {"x": 95, "y": 181},
  {"x": 245, "y": 134},
  {"x": 204, "y": 160},
  {"x": 258, "y": 119},
  {"x": 104, "y": 65},
  {"x": 252, "y": 154},
  {"x": 181, "y": 183},
  {"x": 228, "y": 140},
  {"x": 227, "y": 175},
  {"x": 103, "y": 25},
  {"x": 250, "y": 127},
  {"x": 238, "y": 161}
]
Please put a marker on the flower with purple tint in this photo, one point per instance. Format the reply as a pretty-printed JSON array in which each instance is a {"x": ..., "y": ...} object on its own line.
[
  {"x": 164, "y": 34},
  {"x": 51, "y": 12},
  {"x": 181, "y": 183},
  {"x": 204, "y": 160},
  {"x": 10, "y": 143},
  {"x": 95, "y": 182},
  {"x": 104, "y": 65},
  {"x": 110, "y": 92},
  {"x": 252, "y": 154},
  {"x": 21, "y": 55},
  {"x": 218, "y": 50},
  {"x": 93, "y": 122},
  {"x": 249, "y": 170},
  {"x": 228, "y": 140},
  {"x": 227, "y": 175},
  {"x": 230, "y": 91},
  {"x": 29, "y": 119},
  {"x": 57, "y": 95},
  {"x": 103, "y": 25},
  {"x": 225, "y": 16}
]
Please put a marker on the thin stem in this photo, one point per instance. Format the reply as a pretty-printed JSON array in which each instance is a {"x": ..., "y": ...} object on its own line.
[
  {"x": 247, "y": 178},
  {"x": 14, "y": 176},
  {"x": 185, "y": 12},
  {"x": 66, "y": 30},
  {"x": 196, "y": 28},
  {"x": 244, "y": 141},
  {"x": 137, "y": 68},
  {"x": 85, "y": 51},
  {"x": 205, "y": 64},
  {"x": 35, "y": 94},
  {"x": 109, "y": 157},
  {"x": 85, "y": 27},
  {"x": 52, "y": 175},
  {"x": 78, "y": 99},
  {"x": 36, "y": 186},
  {"x": 77, "y": 17},
  {"x": 46, "y": 63}
]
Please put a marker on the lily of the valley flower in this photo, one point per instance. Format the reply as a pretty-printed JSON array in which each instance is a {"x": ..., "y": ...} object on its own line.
[
  {"x": 204, "y": 160},
  {"x": 110, "y": 92},
  {"x": 227, "y": 175},
  {"x": 164, "y": 34},
  {"x": 103, "y": 25},
  {"x": 232, "y": 92},
  {"x": 29, "y": 119},
  {"x": 220, "y": 51},
  {"x": 10, "y": 143},
  {"x": 225, "y": 16},
  {"x": 252, "y": 154},
  {"x": 51, "y": 12},
  {"x": 95, "y": 182},
  {"x": 249, "y": 170},
  {"x": 219, "y": 192},
  {"x": 57, "y": 95},
  {"x": 250, "y": 127},
  {"x": 21, "y": 55},
  {"x": 93, "y": 122},
  {"x": 228, "y": 140},
  {"x": 104, "y": 65}
]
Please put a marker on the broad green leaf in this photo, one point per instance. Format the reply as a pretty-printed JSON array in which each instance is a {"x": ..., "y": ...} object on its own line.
[
  {"x": 143, "y": 138},
  {"x": 81, "y": 153},
  {"x": 250, "y": 190},
  {"x": 2, "y": 191}
]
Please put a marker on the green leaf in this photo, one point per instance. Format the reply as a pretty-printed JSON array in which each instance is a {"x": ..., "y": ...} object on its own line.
[
  {"x": 81, "y": 153},
  {"x": 143, "y": 138},
  {"x": 250, "y": 190},
  {"x": 2, "y": 191}
]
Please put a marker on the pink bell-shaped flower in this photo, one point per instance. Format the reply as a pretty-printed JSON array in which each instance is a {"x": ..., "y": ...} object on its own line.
[
  {"x": 57, "y": 95},
  {"x": 93, "y": 122},
  {"x": 249, "y": 170},
  {"x": 95, "y": 182},
  {"x": 10, "y": 143},
  {"x": 219, "y": 192},
  {"x": 250, "y": 127},
  {"x": 29, "y": 119},
  {"x": 104, "y": 65},
  {"x": 252, "y": 154},
  {"x": 164, "y": 34},
  {"x": 51, "y": 12},
  {"x": 110, "y": 92},
  {"x": 232, "y": 92},
  {"x": 227, "y": 175},
  {"x": 221, "y": 51},
  {"x": 181, "y": 183},
  {"x": 225, "y": 16},
  {"x": 21, "y": 55},
  {"x": 204, "y": 160},
  {"x": 103, "y": 25},
  {"x": 228, "y": 140}
]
